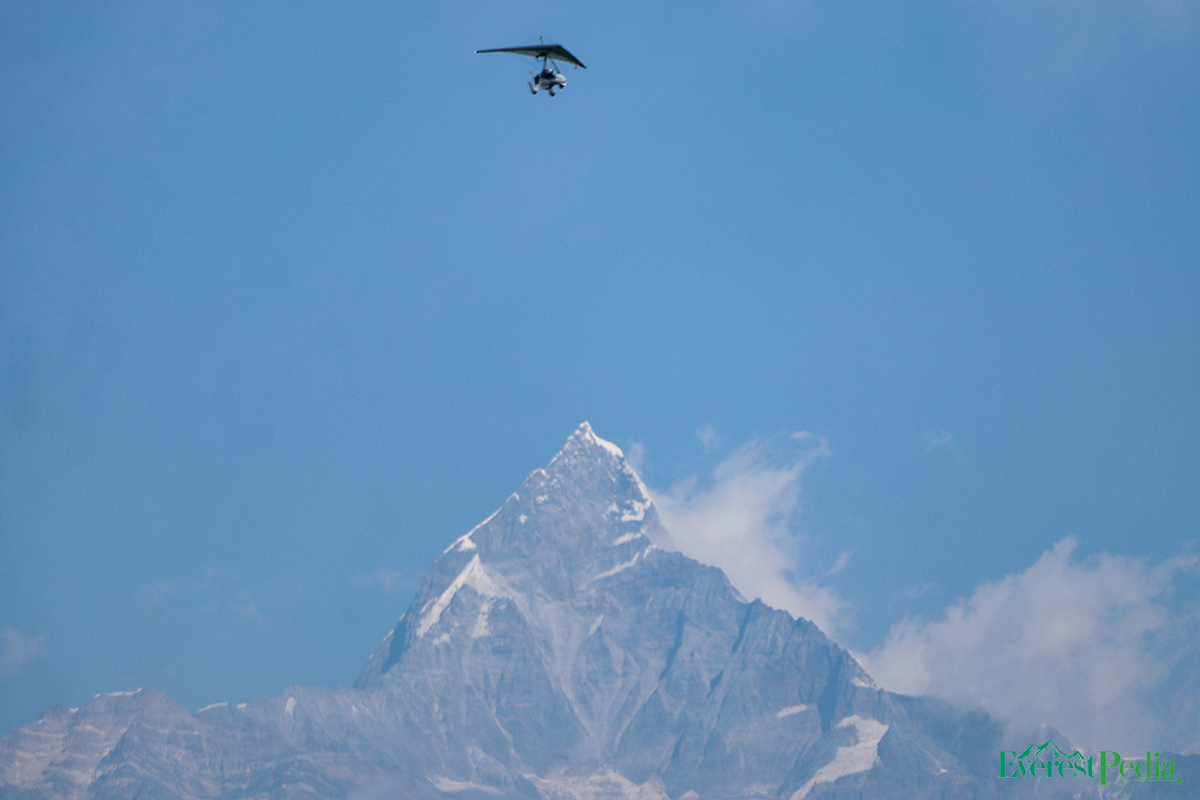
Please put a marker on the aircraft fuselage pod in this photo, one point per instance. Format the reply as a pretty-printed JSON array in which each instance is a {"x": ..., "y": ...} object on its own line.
[{"x": 549, "y": 80}]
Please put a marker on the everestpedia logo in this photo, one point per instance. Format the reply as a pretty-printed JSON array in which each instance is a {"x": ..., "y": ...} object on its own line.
[{"x": 1048, "y": 761}]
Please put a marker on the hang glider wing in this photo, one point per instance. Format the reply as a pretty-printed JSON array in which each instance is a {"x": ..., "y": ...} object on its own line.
[{"x": 554, "y": 52}]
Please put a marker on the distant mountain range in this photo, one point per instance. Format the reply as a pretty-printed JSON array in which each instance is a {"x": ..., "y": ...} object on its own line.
[{"x": 562, "y": 650}]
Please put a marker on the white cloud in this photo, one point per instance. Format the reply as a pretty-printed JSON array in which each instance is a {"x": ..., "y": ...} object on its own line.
[
  {"x": 16, "y": 650},
  {"x": 936, "y": 439},
  {"x": 842, "y": 560},
  {"x": 217, "y": 592},
  {"x": 1103, "y": 649},
  {"x": 635, "y": 455},
  {"x": 743, "y": 523}
]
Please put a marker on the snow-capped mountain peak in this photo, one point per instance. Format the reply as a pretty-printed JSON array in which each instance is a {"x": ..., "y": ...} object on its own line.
[
  {"x": 559, "y": 649},
  {"x": 585, "y": 432}
]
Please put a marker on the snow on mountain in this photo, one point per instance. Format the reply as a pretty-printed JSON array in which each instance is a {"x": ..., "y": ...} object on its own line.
[{"x": 560, "y": 649}]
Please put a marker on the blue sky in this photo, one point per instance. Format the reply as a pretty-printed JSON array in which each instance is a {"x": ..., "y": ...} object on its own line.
[{"x": 291, "y": 295}]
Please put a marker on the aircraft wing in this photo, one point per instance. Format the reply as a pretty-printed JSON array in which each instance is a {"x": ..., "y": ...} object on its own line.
[{"x": 554, "y": 52}]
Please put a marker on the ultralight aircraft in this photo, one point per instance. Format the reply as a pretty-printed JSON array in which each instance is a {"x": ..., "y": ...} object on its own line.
[{"x": 549, "y": 79}]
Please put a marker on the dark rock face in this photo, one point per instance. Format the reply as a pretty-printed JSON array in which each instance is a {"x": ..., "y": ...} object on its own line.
[{"x": 561, "y": 649}]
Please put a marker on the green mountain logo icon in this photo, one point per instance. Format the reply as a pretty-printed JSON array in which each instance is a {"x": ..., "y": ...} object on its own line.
[{"x": 1049, "y": 751}]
